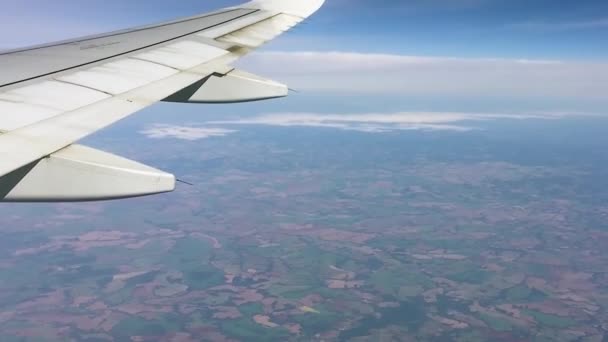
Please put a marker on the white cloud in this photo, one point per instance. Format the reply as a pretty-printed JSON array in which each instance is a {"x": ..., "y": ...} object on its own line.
[
  {"x": 381, "y": 123},
  {"x": 346, "y": 72},
  {"x": 161, "y": 131},
  {"x": 361, "y": 122}
]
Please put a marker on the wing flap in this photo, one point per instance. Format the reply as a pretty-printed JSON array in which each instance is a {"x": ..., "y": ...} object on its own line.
[{"x": 79, "y": 173}]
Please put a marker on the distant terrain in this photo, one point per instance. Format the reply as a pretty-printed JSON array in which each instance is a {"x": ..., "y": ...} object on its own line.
[{"x": 313, "y": 234}]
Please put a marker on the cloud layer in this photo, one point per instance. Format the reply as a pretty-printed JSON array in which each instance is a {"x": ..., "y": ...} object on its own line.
[
  {"x": 365, "y": 122},
  {"x": 371, "y": 123},
  {"x": 346, "y": 72},
  {"x": 190, "y": 133}
]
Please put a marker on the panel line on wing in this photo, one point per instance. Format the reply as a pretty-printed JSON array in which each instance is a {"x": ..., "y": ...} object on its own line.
[
  {"x": 82, "y": 86},
  {"x": 158, "y": 63},
  {"x": 120, "y": 76},
  {"x": 182, "y": 55},
  {"x": 32, "y": 103}
]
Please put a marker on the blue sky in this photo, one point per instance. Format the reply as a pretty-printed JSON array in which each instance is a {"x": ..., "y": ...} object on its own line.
[
  {"x": 434, "y": 55},
  {"x": 563, "y": 29}
]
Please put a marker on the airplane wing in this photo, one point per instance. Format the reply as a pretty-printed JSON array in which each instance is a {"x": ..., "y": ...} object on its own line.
[{"x": 53, "y": 95}]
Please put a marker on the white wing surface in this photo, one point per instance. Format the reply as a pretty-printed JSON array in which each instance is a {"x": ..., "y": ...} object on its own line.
[{"x": 53, "y": 95}]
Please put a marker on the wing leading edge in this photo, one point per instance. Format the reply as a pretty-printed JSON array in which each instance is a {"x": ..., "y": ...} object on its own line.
[{"x": 54, "y": 95}]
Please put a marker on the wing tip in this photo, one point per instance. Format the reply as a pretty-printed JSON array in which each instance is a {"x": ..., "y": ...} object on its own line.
[{"x": 300, "y": 8}]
